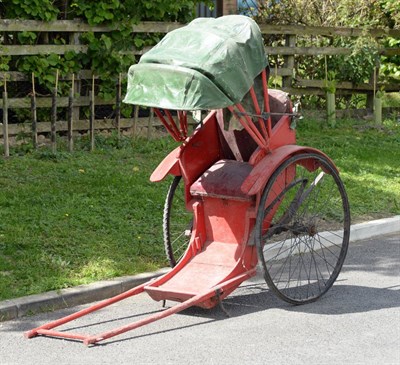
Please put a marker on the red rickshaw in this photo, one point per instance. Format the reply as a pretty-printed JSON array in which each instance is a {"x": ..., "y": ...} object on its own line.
[{"x": 252, "y": 198}]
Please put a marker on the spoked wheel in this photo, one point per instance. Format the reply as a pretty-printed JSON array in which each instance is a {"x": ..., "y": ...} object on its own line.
[
  {"x": 303, "y": 228},
  {"x": 177, "y": 223}
]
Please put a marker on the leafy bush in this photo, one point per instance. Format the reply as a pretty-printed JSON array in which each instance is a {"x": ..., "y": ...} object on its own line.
[
  {"x": 106, "y": 54},
  {"x": 359, "y": 65}
]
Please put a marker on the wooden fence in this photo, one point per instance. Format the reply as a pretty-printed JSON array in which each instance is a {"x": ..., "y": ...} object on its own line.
[{"x": 288, "y": 51}]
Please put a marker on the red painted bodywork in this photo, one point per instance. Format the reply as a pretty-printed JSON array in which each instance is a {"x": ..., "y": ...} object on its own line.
[
  {"x": 168, "y": 166},
  {"x": 223, "y": 181}
]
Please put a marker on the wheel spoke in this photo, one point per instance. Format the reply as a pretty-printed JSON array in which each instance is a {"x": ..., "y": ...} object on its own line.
[{"x": 301, "y": 259}]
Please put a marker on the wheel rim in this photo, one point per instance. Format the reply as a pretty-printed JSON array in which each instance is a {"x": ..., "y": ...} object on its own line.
[
  {"x": 303, "y": 228},
  {"x": 177, "y": 223}
]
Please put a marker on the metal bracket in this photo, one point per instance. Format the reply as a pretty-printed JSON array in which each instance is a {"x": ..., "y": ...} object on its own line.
[
  {"x": 218, "y": 293},
  {"x": 265, "y": 115}
]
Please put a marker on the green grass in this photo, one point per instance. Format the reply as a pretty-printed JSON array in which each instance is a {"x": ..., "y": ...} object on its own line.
[
  {"x": 68, "y": 219},
  {"x": 391, "y": 100},
  {"x": 368, "y": 159},
  {"x": 72, "y": 219}
]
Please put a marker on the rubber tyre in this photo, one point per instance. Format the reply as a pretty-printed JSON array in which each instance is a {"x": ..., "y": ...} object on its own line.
[
  {"x": 177, "y": 223},
  {"x": 302, "y": 228}
]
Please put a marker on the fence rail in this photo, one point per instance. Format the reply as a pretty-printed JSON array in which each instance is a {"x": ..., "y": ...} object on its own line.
[
  {"x": 288, "y": 50},
  {"x": 16, "y": 25}
]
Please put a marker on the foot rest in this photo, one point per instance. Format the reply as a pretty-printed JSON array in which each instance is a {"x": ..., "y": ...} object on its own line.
[
  {"x": 223, "y": 180},
  {"x": 207, "y": 269}
]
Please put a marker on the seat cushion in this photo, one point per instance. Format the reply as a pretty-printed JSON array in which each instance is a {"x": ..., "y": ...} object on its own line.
[{"x": 223, "y": 180}]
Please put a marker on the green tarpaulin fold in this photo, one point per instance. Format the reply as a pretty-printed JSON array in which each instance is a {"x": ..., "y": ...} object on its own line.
[{"x": 208, "y": 64}]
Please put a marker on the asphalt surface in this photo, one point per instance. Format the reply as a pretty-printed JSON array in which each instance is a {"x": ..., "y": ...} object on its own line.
[
  {"x": 82, "y": 294},
  {"x": 356, "y": 322}
]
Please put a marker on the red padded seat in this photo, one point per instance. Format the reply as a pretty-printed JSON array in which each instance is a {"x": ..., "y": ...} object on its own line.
[{"x": 223, "y": 180}]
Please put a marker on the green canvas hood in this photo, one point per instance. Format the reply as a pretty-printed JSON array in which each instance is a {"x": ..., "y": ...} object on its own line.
[{"x": 208, "y": 64}]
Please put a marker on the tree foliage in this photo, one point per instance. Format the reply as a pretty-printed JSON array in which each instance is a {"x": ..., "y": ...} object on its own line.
[
  {"x": 345, "y": 13},
  {"x": 356, "y": 67},
  {"x": 105, "y": 56}
]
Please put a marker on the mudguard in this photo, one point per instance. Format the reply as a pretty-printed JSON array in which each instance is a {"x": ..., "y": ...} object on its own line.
[
  {"x": 261, "y": 173},
  {"x": 170, "y": 165}
]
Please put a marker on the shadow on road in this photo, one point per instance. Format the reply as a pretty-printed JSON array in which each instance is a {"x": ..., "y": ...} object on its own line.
[
  {"x": 376, "y": 257},
  {"x": 340, "y": 299}
]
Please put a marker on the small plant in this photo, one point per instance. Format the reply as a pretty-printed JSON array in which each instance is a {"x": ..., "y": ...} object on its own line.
[
  {"x": 380, "y": 93},
  {"x": 330, "y": 82}
]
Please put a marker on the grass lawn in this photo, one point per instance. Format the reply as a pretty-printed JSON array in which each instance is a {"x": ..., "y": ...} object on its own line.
[
  {"x": 368, "y": 159},
  {"x": 68, "y": 219}
]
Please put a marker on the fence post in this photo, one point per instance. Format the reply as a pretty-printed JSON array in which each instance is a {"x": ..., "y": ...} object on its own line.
[
  {"x": 54, "y": 116},
  {"x": 289, "y": 60},
  {"x": 70, "y": 117},
  {"x": 370, "y": 104},
  {"x": 118, "y": 106},
  {"x": 135, "y": 120},
  {"x": 34, "y": 114},
  {"x": 91, "y": 120},
  {"x": 74, "y": 38},
  {"x": 378, "y": 109},
  {"x": 5, "y": 122},
  {"x": 150, "y": 123},
  {"x": 331, "y": 108}
]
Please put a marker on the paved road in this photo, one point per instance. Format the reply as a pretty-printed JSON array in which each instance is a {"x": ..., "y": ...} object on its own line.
[{"x": 356, "y": 322}]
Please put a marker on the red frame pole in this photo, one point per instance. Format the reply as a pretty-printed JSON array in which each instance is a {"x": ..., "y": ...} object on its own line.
[
  {"x": 266, "y": 99},
  {"x": 172, "y": 122},
  {"x": 249, "y": 125},
  {"x": 215, "y": 291},
  {"x": 175, "y": 309},
  {"x": 173, "y": 132},
  {"x": 137, "y": 290},
  {"x": 182, "y": 115},
  {"x": 261, "y": 121}
]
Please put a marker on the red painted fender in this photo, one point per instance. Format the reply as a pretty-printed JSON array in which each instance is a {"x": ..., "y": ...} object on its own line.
[
  {"x": 170, "y": 165},
  {"x": 261, "y": 173}
]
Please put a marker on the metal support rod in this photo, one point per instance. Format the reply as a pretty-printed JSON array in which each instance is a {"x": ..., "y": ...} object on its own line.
[
  {"x": 172, "y": 131},
  {"x": 252, "y": 129},
  {"x": 165, "y": 313},
  {"x": 266, "y": 100},
  {"x": 46, "y": 329},
  {"x": 172, "y": 122},
  {"x": 71, "y": 336},
  {"x": 137, "y": 290},
  {"x": 265, "y": 115},
  {"x": 261, "y": 121},
  {"x": 182, "y": 116},
  {"x": 175, "y": 309}
]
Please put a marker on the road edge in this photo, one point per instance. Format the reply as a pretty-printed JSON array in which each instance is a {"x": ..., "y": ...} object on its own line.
[{"x": 82, "y": 294}]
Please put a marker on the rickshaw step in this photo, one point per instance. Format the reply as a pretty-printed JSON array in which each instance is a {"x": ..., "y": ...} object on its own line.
[{"x": 204, "y": 271}]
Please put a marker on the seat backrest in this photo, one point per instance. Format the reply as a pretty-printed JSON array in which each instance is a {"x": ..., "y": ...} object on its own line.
[
  {"x": 202, "y": 149},
  {"x": 237, "y": 144},
  {"x": 279, "y": 102}
]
